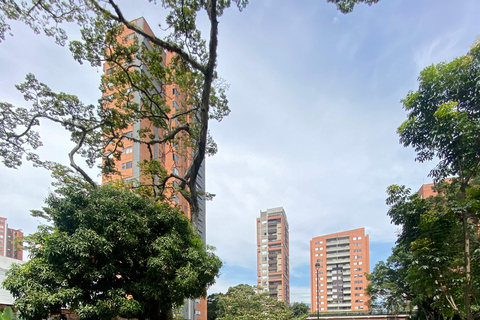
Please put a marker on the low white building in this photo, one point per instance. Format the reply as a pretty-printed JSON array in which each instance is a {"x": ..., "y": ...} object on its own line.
[{"x": 5, "y": 264}]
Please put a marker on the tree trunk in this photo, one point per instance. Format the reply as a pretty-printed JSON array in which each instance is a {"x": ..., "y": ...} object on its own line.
[{"x": 468, "y": 275}]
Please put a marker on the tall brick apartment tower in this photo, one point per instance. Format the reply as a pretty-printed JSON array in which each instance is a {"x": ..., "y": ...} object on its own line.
[
  {"x": 273, "y": 268},
  {"x": 338, "y": 263},
  {"x": 173, "y": 157},
  {"x": 10, "y": 241}
]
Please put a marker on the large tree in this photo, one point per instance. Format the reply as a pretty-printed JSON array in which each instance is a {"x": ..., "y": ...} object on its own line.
[
  {"x": 97, "y": 130},
  {"x": 110, "y": 253},
  {"x": 243, "y": 302},
  {"x": 440, "y": 233},
  {"x": 443, "y": 121}
]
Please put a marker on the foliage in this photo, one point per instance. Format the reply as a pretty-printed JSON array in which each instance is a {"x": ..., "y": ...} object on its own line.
[
  {"x": 243, "y": 302},
  {"x": 111, "y": 253},
  {"x": 439, "y": 235},
  {"x": 347, "y": 6},
  {"x": 212, "y": 305},
  {"x": 443, "y": 118},
  {"x": 299, "y": 310},
  {"x": 7, "y": 314}
]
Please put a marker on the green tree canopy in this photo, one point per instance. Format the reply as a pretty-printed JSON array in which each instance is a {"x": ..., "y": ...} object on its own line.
[
  {"x": 435, "y": 262},
  {"x": 443, "y": 121},
  {"x": 111, "y": 253},
  {"x": 299, "y": 310},
  {"x": 243, "y": 302}
]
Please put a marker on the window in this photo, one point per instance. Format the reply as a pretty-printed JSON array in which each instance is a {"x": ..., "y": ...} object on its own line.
[
  {"x": 197, "y": 312},
  {"x": 127, "y": 150},
  {"x": 358, "y": 294},
  {"x": 357, "y": 250},
  {"x": 318, "y": 242},
  {"x": 175, "y": 91},
  {"x": 357, "y": 244},
  {"x": 175, "y": 171},
  {"x": 127, "y": 180},
  {"x": 175, "y": 198},
  {"x": 130, "y": 36},
  {"x": 358, "y": 288},
  {"x": 175, "y": 105},
  {"x": 110, "y": 70},
  {"x": 357, "y": 269},
  {"x": 358, "y": 281},
  {"x": 175, "y": 157},
  {"x": 129, "y": 134},
  {"x": 127, "y": 165},
  {"x": 357, "y": 257},
  {"x": 357, "y": 276}
]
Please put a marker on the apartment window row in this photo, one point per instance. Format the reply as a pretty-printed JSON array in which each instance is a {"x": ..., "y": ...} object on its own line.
[
  {"x": 127, "y": 150},
  {"x": 319, "y": 248},
  {"x": 318, "y": 242},
  {"x": 127, "y": 165},
  {"x": 358, "y": 288},
  {"x": 358, "y": 281},
  {"x": 358, "y": 294},
  {"x": 357, "y": 244},
  {"x": 357, "y": 275},
  {"x": 357, "y": 257},
  {"x": 357, "y": 238},
  {"x": 318, "y": 254},
  {"x": 357, "y": 263},
  {"x": 357, "y": 250}
]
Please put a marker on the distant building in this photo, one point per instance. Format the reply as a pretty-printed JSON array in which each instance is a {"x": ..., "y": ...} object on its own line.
[
  {"x": 5, "y": 264},
  {"x": 11, "y": 244},
  {"x": 338, "y": 263},
  {"x": 273, "y": 267}
]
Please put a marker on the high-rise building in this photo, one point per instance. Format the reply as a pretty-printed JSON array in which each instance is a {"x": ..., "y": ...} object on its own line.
[
  {"x": 273, "y": 268},
  {"x": 10, "y": 241},
  {"x": 338, "y": 263},
  {"x": 174, "y": 157}
]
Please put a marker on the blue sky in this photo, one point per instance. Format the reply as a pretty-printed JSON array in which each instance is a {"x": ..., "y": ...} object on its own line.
[{"x": 315, "y": 98}]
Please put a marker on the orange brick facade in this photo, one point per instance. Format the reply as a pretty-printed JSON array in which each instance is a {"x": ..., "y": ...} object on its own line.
[
  {"x": 10, "y": 241},
  {"x": 342, "y": 258},
  {"x": 273, "y": 266},
  {"x": 175, "y": 158}
]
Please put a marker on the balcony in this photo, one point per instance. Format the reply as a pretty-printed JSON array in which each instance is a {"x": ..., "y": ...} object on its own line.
[
  {"x": 337, "y": 260},
  {"x": 339, "y": 254},
  {"x": 336, "y": 248},
  {"x": 338, "y": 242},
  {"x": 340, "y": 304}
]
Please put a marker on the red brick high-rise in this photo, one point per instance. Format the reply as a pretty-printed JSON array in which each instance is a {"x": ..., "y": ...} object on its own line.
[
  {"x": 338, "y": 263},
  {"x": 273, "y": 266},
  {"x": 175, "y": 158},
  {"x": 10, "y": 241}
]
